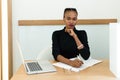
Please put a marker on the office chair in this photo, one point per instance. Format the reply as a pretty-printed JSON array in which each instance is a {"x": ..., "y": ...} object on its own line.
[{"x": 46, "y": 54}]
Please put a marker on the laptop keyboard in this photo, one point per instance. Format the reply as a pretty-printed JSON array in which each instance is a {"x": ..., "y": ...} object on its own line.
[{"x": 34, "y": 66}]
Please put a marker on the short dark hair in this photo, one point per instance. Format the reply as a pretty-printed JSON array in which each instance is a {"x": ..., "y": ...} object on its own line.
[{"x": 69, "y": 9}]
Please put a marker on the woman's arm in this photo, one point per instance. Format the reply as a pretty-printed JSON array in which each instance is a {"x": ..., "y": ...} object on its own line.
[
  {"x": 85, "y": 52},
  {"x": 74, "y": 63},
  {"x": 58, "y": 57},
  {"x": 78, "y": 42},
  {"x": 82, "y": 44}
]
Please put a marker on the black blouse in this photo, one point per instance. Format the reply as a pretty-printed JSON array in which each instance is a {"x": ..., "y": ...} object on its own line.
[{"x": 64, "y": 44}]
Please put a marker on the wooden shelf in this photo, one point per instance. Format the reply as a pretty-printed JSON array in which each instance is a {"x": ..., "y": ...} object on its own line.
[{"x": 60, "y": 22}]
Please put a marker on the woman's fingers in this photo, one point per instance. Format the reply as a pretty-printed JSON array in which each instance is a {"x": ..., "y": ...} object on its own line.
[{"x": 76, "y": 63}]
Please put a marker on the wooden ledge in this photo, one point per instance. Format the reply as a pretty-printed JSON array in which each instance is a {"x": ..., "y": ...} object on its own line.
[{"x": 60, "y": 22}]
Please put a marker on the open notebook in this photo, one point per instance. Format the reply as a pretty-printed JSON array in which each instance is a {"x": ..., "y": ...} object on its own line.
[
  {"x": 87, "y": 63},
  {"x": 36, "y": 66}
]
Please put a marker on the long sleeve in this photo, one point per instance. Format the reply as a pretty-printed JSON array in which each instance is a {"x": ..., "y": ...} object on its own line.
[
  {"x": 85, "y": 52},
  {"x": 64, "y": 44},
  {"x": 55, "y": 45}
]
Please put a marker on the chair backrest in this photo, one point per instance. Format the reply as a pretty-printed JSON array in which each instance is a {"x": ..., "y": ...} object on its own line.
[{"x": 46, "y": 54}]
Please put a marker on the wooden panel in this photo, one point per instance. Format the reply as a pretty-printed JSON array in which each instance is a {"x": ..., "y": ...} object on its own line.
[
  {"x": 0, "y": 43},
  {"x": 60, "y": 22},
  {"x": 10, "y": 65}
]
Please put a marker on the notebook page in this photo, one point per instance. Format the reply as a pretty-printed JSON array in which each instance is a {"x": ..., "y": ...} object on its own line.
[{"x": 87, "y": 63}]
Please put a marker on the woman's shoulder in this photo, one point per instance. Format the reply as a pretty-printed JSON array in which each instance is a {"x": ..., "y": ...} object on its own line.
[
  {"x": 57, "y": 32},
  {"x": 81, "y": 31}
]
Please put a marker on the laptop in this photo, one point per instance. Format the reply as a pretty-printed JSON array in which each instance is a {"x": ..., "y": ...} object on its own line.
[{"x": 36, "y": 66}]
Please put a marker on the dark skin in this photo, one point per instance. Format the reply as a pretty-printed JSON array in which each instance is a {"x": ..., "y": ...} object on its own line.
[{"x": 70, "y": 20}]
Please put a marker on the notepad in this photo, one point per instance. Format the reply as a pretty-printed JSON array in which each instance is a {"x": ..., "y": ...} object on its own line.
[{"x": 87, "y": 63}]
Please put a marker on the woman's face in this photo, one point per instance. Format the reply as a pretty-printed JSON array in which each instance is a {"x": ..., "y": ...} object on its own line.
[{"x": 70, "y": 19}]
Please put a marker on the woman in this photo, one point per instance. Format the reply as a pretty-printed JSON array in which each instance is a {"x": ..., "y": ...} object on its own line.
[{"x": 69, "y": 42}]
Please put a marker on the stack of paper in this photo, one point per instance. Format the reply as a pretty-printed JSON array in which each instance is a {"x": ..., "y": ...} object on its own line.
[{"x": 87, "y": 63}]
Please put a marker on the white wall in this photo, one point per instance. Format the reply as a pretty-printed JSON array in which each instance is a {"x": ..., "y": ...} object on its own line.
[
  {"x": 34, "y": 39},
  {"x": 4, "y": 8},
  {"x": 53, "y": 9},
  {"x": 114, "y": 36}
]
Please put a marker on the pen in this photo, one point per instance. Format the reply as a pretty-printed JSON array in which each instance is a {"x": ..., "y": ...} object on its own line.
[{"x": 79, "y": 58}]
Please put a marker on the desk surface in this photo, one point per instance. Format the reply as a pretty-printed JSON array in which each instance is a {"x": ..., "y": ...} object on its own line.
[{"x": 99, "y": 71}]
